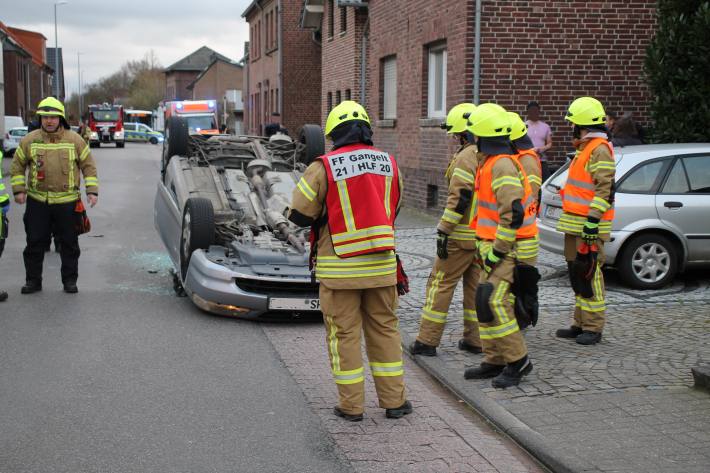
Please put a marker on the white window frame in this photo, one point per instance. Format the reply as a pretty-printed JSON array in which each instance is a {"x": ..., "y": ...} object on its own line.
[
  {"x": 389, "y": 88},
  {"x": 434, "y": 109}
]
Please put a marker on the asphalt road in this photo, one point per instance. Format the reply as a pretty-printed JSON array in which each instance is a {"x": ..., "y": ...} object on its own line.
[{"x": 124, "y": 376}]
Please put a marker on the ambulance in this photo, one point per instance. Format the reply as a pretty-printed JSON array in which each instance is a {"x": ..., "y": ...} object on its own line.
[{"x": 200, "y": 115}]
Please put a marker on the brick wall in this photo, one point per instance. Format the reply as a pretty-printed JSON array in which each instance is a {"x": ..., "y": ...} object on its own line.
[
  {"x": 215, "y": 82},
  {"x": 176, "y": 83},
  {"x": 397, "y": 28},
  {"x": 301, "y": 70},
  {"x": 555, "y": 51},
  {"x": 342, "y": 56}
]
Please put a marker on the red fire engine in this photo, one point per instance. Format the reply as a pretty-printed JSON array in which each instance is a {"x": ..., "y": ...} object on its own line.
[{"x": 106, "y": 124}]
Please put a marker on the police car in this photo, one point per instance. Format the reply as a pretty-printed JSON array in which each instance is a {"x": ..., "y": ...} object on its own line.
[{"x": 141, "y": 132}]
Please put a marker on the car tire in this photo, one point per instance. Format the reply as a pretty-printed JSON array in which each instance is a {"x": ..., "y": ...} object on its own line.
[
  {"x": 648, "y": 261},
  {"x": 153, "y": 140},
  {"x": 175, "y": 142},
  {"x": 312, "y": 137},
  {"x": 197, "y": 230},
  {"x": 120, "y": 144}
]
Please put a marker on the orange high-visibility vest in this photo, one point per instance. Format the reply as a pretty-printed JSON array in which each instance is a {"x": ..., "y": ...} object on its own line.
[
  {"x": 533, "y": 153},
  {"x": 578, "y": 192},
  {"x": 487, "y": 218},
  {"x": 362, "y": 199}
]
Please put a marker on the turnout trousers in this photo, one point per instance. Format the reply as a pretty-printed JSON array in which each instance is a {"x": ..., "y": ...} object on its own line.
[
  {"x": 444, "y": 277},
  {"x": 347, "y": 314},
  {"x": 501, "y": 338},
  {"x": 40, "y": 220},
  {"x": 589, "y": 314}
]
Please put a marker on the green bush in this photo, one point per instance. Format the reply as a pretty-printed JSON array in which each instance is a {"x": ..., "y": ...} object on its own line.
[{"x": 677, "y": 68}]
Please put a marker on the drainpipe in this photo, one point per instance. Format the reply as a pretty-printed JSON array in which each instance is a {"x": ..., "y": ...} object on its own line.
[
  {"x": 477, "y": 56},
  {"x": 279, "y": 41},
  {"x": 363, "y": 60}
]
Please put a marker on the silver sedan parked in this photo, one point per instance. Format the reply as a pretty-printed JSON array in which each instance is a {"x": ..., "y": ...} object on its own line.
[{"x": 662, "y": 221}]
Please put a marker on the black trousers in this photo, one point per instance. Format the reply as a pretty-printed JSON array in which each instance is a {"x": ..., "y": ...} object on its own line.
[{"x": 41, "y": 219}]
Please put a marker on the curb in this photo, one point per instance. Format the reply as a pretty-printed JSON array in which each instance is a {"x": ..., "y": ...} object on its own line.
[{"x": 552, "y": 457}]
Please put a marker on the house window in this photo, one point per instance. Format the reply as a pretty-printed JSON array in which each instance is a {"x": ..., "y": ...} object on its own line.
[
  {"x": 432, "y": 196},
  {"x": 343, "y": 20},
  {"x": 338, "y": 99},
  {"x": 436, "y": 84},
  {"x": 276, "y": 103},
  {"x": 331, "y": 11},
  {"x": 348, "y": 95},
  {"x": 389, "y": 88},
  {"x": 330, "y": 101}
]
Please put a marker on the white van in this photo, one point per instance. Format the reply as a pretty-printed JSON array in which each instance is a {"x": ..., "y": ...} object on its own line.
[{"x": 13, "y": 122}]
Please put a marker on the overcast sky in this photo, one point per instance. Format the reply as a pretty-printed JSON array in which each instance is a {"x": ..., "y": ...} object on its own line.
[{"x": 109, "y": 33}]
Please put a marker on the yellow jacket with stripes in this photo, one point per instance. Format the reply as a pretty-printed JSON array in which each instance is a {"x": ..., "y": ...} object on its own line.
[
  {"x": 460, "y": 203},
  {"x": 356, "y": 272},
  {"x": 48, "y": 167}
]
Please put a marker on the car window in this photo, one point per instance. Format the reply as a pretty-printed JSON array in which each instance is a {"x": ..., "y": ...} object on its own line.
[
  {"x": 642, "y": 179},
  {"x": 18, "y": 132},
  {"x": 698, "y": 169},
  {"x": 558, "y": 181},
  {"x": 130, "y": 127},
  {"x": 677, "y": 182}
]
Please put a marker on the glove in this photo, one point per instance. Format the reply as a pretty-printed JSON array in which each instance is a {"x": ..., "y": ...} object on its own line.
[
  {"x": 442, "y": 240},
  {"x": 492, "y": 259},
  {"x": 402, "y": 279},
  {"x": 590, "y": 231}
]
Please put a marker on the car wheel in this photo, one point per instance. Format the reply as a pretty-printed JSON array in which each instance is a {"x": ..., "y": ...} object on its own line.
[
  {"x": 153, "y": 140},
  {"x": 648, "y": 261},
  {"x": 197, "y": 229},
  {"x": 312, "y": 137},
  {"x": 176, "y": 135},
  {"x": 120, "y": 144}
]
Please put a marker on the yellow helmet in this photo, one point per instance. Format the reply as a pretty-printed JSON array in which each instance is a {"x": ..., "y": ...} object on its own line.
[
  {"x": 518, "y": 126},
  {"x": 489, "y": 120},
  {"x": 51, "y": 107},
  {"x": 345, "y": 111},
  {"x": 586, "y": 111},
  {"x": 458, "y": 117}
]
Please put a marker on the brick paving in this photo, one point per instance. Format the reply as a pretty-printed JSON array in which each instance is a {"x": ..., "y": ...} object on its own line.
[
  {"x": 442, "y": 435},
  {"x": 624, "y": 405}
]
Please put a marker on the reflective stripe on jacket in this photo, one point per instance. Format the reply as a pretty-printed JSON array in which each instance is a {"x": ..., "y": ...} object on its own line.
[
  {"x": 487, "y": 217},
  {"x": 578, "y": 194},
  {"x": 361, "y": 200}
]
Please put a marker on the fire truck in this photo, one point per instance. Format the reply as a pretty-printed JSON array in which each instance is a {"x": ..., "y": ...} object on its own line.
[
  {"x": 106, "y": 124},
  {"x": 200, "y": 115}
]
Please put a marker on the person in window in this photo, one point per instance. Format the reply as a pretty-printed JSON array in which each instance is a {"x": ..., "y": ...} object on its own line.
[
  {"x": 625, "y": 133},
  {"x": 541, "y": 135}
]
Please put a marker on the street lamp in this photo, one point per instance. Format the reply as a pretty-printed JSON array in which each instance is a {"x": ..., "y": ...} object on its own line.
[
  {"x": 78, "y": 65},
  {"x": 56, "y": 48}
]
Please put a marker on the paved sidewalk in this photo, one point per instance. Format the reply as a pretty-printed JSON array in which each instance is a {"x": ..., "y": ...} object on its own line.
[
  {"x": 442, "y": 435},
  {"x": 625, "y": 405}
]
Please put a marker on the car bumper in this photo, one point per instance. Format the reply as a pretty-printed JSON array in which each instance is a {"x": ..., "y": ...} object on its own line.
[
  {"x": 213, "y": 288},
  {"x": 554, "y": 241}
]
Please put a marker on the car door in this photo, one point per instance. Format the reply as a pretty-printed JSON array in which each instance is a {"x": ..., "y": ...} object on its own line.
[
  {"x": 635, "y": 195},
  {"x": 143, "y": 132},
  {"x": 130, "y": 130},
  {"x": 684, "y": 203}
]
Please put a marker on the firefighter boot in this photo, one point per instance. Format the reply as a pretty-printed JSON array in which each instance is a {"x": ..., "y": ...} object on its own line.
[
  {"x": 349, "y": 417},
  {"x": 589, "y": 338},
  {"x": 486, "y": 370},
  {"x": 572, "y": 332},
  {"x": 513, "y": 373},
  {"x": 400, "y": 411},
  {"x": 419, "y": 348},
  {"x": 3, "y": 296},
  {"x": 465, "y": 346},
  {"x": 31, "y": 287},
  {"x": 70, "y": 288}
]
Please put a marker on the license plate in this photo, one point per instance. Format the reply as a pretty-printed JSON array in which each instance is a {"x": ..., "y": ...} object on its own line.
[
  {"x": 282, "y": 303},
  {"x": 553, "y": 213}
]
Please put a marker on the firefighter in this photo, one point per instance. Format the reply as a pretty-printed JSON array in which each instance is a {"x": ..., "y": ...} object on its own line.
[
  {"x": 587, "y": 213},
  {"x": 45, "y": 174},
  {"x": 526, "y": 249},
  {"x": 456, "y": 253},
  {"x": 503, "y": 214},
  {"x": 350, "y": 198},
  {"x": 4, "y": 208}
]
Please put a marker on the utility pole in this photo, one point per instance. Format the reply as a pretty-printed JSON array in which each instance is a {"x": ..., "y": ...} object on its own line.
[
  {"x": 78, "y": 66},
  {"x": 56, "y": 49}
]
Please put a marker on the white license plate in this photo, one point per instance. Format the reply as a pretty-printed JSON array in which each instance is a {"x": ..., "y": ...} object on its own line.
[
  {"x": 553, "y": 213},
  {"x": 282, "y": 303}
]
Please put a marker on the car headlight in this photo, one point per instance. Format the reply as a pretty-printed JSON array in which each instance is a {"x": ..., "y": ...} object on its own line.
[
  {"x": 94, "y": 135},
  {"x": 118, "y": 135}
]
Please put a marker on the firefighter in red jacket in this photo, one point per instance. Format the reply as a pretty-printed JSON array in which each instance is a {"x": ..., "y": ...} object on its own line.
[{"x": 350, "y": 198}]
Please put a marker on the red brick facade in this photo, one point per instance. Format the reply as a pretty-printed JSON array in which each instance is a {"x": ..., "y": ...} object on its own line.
[{"x": 277, "y": 44}]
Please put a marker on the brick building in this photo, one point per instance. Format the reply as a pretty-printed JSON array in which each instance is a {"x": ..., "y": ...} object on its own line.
[
  {"x": 282, "y": 68},
  {"x": 420, "y": 61},
  {"x": 181, "y": 74},
  {"x": 41, "y": 74},
  {"x": 222, "y": 81}
]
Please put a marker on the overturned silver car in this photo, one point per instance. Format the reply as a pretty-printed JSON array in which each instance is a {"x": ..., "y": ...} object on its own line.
[{"x": 220, "y": 210}]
